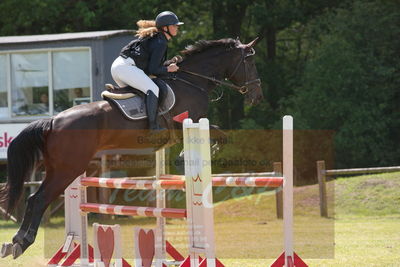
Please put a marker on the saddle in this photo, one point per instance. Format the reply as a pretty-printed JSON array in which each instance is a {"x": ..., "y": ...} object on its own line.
[{"x": 131, "y": 102}]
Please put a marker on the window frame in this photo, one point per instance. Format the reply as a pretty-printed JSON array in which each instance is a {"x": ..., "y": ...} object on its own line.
[{"x": 8, "y": 53}]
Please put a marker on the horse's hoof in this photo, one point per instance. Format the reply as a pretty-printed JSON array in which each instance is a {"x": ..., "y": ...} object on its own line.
[
  {"x": 6, "y": 249},
  {"x": 16, "y": 250}
]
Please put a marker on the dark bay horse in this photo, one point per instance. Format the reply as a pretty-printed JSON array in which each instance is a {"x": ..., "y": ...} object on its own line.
[{"x": 67, "y": 142}]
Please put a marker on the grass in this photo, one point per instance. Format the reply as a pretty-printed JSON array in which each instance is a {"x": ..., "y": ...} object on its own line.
[
  {"x": 362, "y": 230},
  {"x": 370, "y": 195}
]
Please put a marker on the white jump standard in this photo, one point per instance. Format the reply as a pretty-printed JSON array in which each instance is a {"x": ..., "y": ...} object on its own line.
[{"x": 197, "y": 182}]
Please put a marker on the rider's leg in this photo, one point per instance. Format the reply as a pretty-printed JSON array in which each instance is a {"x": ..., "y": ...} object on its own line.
[
  {"x": 116, "y": 67},
  {"x": 152, "y": 106},
  {"x": 125, "y": 73}
]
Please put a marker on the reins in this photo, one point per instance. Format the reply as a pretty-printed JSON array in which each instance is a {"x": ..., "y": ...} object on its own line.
[
  {"x": 243, "y": 89},
  {"x": 216, "y": 81},
  {"x": 198, "y": 87}
]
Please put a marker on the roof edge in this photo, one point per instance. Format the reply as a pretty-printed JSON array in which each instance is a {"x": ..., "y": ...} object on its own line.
[{"x": 63, "y": 36}]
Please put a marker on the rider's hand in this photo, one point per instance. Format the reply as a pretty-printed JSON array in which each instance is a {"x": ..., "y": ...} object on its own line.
[{"x": 172, "y": 67}]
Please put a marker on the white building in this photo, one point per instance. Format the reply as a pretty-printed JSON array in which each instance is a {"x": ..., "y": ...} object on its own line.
[{"x": 42, "y": 75}]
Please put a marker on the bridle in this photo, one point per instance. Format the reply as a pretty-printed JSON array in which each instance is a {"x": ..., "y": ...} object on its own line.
[{"x": 243, "y": 89}]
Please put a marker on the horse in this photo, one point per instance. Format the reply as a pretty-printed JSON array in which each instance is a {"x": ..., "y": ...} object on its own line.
[{"x": 66, "y": 142}]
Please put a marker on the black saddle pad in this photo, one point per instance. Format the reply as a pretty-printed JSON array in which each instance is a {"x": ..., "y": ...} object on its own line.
[{"x": 134, "y": 107}]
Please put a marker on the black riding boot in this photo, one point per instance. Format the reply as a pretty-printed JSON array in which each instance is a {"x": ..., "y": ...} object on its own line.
[{"x": 152, "y": 105}]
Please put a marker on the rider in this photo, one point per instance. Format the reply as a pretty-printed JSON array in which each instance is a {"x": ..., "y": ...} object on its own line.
[{"x": 145, "y": 56}]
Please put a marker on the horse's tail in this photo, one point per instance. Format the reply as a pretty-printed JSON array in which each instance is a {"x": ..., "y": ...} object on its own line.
[{"x": 23, "y": 154}]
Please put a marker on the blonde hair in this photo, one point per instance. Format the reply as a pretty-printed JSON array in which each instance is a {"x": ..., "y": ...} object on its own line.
[{"x": 146, "y": 28}]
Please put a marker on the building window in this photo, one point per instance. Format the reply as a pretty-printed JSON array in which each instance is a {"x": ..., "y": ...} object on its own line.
[
  {"x": 71, "y": 82},
  {"x": 29, "y": 84},
  {"x": 42, "y": 83},
  {"x": 3, "y": 87}
]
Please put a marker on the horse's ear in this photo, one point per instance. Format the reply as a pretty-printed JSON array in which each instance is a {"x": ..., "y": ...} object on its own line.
[{"x": 252, "y": 43}]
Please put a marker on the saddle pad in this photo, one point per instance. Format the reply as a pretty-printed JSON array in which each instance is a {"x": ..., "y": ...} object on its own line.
[{"x": 134, "y": 108}]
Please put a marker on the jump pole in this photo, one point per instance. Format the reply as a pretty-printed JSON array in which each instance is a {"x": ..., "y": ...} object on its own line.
[
  {"x": 75, "y": 245},
  {"x": 288, "y": 258},
  {"x": 199, "y": 200},
  {"x": 288, "y": 187},
  {"x": 199, "y": 203},
  {"x": 160, "y": 240},
  {"x": 198, "y": 197}
]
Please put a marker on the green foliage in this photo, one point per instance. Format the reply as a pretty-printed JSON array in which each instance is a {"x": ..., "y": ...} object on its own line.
[
  {"x": 333, "y": 64},
  {"x": 350, "y": 84}
]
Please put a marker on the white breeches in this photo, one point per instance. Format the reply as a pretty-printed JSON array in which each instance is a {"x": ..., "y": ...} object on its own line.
[{"x": 124, "y": 72}]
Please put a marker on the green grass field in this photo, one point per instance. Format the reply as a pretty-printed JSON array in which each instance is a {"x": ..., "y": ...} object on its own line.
[{"x": 363, "y": 228}]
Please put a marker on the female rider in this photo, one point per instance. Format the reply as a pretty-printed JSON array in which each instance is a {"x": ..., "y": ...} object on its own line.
[{"x": 145, "y": 56}]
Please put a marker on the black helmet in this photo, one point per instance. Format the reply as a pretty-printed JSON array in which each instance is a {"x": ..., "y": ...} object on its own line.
[{"x": 167, "y": 18}]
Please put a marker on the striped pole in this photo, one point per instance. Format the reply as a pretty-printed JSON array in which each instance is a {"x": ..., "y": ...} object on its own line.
[
  {"x": 133, "y": 210},
  {"x": 126, "y": 183},
  {"x": 248, "y": 181}
]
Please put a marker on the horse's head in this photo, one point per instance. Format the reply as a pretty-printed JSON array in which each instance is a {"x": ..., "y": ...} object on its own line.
[
  {"x": 230, "y": 56},
  {"x": 243, "y": 72}
]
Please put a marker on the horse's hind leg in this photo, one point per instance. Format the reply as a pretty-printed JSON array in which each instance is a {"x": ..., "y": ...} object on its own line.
[
  {"x": 48, "y": 191},
  {"x": 29, "y": 214},
  {"x": 19, "y": 244},
  {"x": 7, "y": 248},
  {"x": 23, "y": 238}
]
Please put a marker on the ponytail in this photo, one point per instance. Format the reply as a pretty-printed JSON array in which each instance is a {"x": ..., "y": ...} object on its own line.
[{"x": 146, "y": 28}]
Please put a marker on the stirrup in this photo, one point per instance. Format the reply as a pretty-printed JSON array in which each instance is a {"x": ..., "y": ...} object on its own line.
[{"x": 109, "y": 86}]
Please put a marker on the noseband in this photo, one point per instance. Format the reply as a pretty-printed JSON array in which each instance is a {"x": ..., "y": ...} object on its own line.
[{"x": 243, "y": 89}]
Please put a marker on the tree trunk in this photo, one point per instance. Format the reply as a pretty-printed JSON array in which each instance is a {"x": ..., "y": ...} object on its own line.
[
  {"x": 227, "y": 19},
  {"x": 218, "y": 21},
  {"x": 270, "y": 39}
]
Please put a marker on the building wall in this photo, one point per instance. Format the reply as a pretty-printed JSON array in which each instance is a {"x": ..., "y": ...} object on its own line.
[
  {"x": 91, "y": 44},
  {"x": 103, "y": 49},
  {"x": 109, "y": 50}
]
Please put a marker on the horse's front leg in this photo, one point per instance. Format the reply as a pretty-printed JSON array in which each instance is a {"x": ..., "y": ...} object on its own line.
[{"x": 218, "y": 139}]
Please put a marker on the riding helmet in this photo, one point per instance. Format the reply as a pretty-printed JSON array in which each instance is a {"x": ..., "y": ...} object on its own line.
[{"x": 167, "y": 18}]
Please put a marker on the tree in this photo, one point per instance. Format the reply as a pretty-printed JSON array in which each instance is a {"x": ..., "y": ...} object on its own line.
[
  {"x": 351, "y": 83},
  {"x": 58, "y": 16},
  {"x": 228, "y": 17}
]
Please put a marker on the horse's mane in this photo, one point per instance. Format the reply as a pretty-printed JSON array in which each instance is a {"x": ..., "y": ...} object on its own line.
[{"x": 203, "y": 45}]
